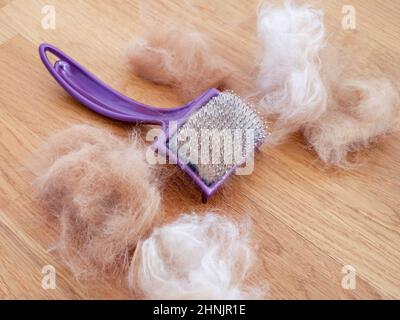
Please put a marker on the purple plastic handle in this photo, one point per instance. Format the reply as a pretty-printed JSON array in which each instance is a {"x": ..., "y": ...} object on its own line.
[{"x": 101, "y": 98}]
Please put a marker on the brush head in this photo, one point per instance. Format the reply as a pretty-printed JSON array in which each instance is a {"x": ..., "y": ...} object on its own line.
[{"x": 220, "y": 136}]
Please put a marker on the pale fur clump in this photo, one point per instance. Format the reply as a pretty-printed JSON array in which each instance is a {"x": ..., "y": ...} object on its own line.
[
  {"x": 289, "y": 82},
  {"x": 180, "y": 57},
  {"x": 305, "y": 88},
  {"x": 103, "y": 192},
  {"x": 195, "y": 257},
  {"x": 366, "y": 110}
]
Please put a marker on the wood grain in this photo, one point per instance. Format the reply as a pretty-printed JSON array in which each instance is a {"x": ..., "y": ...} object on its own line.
[{"x": 308, "y": 221}]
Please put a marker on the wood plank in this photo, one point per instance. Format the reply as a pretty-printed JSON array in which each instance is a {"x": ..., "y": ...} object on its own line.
[{"x": 308, "y": 221}]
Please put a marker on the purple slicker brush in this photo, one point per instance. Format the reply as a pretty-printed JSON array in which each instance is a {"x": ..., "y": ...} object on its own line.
[{"x": 214, "y": 109}]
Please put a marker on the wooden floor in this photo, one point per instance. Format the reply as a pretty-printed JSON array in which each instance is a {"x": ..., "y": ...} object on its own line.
[{"x": 309, "y": 222}]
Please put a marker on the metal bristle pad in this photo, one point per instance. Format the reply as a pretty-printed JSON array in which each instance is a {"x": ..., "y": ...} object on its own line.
[{"x": 221, "y": 135}]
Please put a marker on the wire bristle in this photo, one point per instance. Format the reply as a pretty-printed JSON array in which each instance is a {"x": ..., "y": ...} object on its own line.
[{"x": 222, "y": 134}]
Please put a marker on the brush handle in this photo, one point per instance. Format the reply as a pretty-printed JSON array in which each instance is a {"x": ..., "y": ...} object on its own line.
[{"x": 101, "y": 98}]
